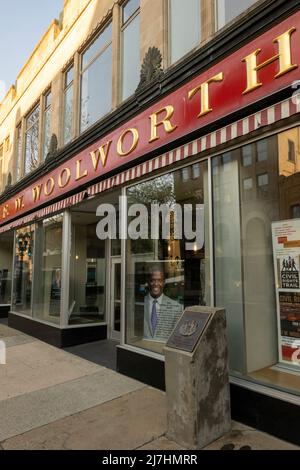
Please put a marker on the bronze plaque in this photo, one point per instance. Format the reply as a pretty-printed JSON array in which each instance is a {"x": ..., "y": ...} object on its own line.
[{"x": 188, "y": 331}]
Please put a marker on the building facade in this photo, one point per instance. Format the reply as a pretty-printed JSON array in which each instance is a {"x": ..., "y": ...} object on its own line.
[{"x": 139, "y": 103}]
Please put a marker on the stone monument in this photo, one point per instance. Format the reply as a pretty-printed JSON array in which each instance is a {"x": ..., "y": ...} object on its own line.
[{"x": 197, "y": 378}]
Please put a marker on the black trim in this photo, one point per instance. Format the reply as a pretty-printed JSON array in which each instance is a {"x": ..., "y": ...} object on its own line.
[
  {"x": 225, "y": 42},
  {"x": 4, "y": 309},
  {"x": 140, "y": 367},
  {"x": 271, "y": 415},
  {"x": 59, "y": 337}
]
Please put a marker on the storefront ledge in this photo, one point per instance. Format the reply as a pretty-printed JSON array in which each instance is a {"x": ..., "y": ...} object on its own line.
[
  {"x": 146, "y": 369},
  {"x": 272, "y": 415},
  {"x": 4, "y": 310},
  {"x": 59, "y": 337}
]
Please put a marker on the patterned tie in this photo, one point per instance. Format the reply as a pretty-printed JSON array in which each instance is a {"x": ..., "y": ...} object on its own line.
[{"x": 154, "y": 317}]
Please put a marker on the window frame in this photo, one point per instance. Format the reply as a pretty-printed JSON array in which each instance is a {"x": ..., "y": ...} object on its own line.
[
  {"x": 66, "y": 88},
  {"x": 44, "y": 109},
  {"x": 82, "y": 69},
  {"x": 291, "y": 143},
  {"x": 207, "y": 22},
  {"x": 224, "y": 24},
  {"x": 19, "y": 159},
  {"x": 26, "y": 129},
  {"x": 123, "y": 26},
  {"x": 169, "y": 34}
]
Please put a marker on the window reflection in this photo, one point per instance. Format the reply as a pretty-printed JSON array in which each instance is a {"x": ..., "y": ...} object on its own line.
[
  {"x": 163, "y": 276},
  {"x": 87, "y": 271},
  {"x": 227, "y": 10},
  {"x": 258, "y": 188},
  {"x": 48, "y": 269},
  {"x": 23, "y": 270},
  {"x": 186, "y": 18},
  {"x": 96, "y": 79}
]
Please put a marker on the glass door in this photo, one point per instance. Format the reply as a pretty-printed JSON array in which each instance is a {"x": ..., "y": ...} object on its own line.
[{"x": 115, "y": 300}]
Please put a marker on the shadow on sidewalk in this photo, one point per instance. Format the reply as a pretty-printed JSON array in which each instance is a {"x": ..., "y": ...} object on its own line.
[{"x": 102, "y": 352}]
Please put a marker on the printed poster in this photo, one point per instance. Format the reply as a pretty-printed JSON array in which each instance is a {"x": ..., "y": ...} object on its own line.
[{"x": 286, "y": 251}]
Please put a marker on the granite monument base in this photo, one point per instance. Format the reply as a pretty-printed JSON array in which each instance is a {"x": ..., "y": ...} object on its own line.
[{"x": 197, "y": 382}]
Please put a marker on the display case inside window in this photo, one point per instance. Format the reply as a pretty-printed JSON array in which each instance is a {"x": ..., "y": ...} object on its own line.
[{"x": 166, "y": 269}]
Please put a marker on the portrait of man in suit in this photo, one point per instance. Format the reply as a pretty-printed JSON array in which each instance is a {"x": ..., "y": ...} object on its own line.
[{"x": 161, "y": 313}]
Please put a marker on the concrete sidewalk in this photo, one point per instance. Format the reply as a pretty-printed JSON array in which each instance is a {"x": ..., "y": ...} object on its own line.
[{"x": 51, "y": 399}]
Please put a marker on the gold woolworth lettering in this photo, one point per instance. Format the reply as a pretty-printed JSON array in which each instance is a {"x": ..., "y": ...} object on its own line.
[
  {"x": 158, "y": 124},
  {"x": 284, "y": 58},
  {"x": 135, "y": 140},
  {"x": 204, "y": 94}
]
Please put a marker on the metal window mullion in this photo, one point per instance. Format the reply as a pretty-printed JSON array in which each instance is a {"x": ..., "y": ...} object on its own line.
[
  {"x": 12, "y": 270},
  {"x": 123, "y": 215},
  {"x": 108, "y": 292},
  {"x": 66, "y": 258},
  {"x": 33, "y": 264},
  {"x": 211, "y": 232}
]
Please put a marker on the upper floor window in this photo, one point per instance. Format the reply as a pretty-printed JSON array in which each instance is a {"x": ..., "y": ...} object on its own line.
[
  {"x": 184, "y": 27},
  {"x": 68, "y": 104},
  {"x": 96, "y": 79},
  {"x": 7, "y": 144},
  {"x": 1, "y": 168},
  {"x": 19, "y": 152},
  {"x": 47, "y": 124},
  {"x": 247, "y": 155},
  {"x": 291, "y": 151},
  {"x": 262, "y": 150},
  {"x": 32, "y": 140},
  {"x": 130, "y": 47},
  {"x": 227, "y": 10}
]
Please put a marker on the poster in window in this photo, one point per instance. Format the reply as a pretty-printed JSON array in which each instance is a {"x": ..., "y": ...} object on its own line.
[
  {"x": 159, "y": 290},
  {"x": 56, "y": 284},
  {"x": 286, "y": 250}
]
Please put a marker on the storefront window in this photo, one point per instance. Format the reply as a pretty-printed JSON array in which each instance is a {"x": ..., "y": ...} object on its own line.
[
  {"x": 23, "y": 270},
  {"x": 87, "y": 271},
  {"x": 47, "y": 269},
  {"x": 257, "y": 259},
  {"x": 227, "y": 10},
  {"x": 6, "y": 256},
  {"x": 165, "y": 272}
]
